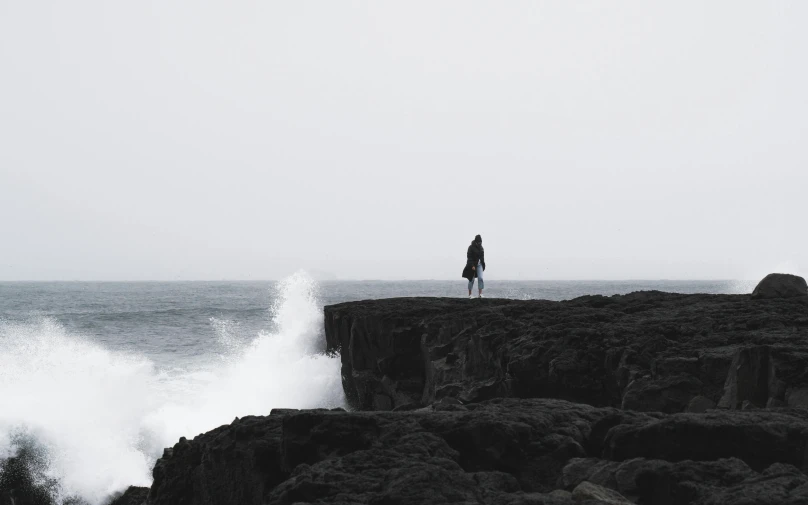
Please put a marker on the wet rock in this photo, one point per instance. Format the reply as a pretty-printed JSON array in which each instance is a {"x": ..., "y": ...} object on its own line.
[
  {"x": 132, "y": 496},
  {"x": 236, "y": 463},
  {"x": 780, "y": 286},
  {"x": 23, "y": 477}
]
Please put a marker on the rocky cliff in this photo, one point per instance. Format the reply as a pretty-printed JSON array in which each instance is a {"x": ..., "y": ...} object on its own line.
[
  {"x": 503, "y": 451},
  {"x": 646, "y": 351}
]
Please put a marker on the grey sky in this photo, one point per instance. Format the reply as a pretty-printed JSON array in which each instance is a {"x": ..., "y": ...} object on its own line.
[{"x": 247, "y": 139}]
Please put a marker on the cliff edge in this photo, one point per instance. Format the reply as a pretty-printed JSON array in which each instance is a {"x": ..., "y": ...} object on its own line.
[{"x": 646, "y": 351}]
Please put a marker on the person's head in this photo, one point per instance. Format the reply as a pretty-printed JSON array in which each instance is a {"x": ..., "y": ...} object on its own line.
[{"x": 478, "y": 239}]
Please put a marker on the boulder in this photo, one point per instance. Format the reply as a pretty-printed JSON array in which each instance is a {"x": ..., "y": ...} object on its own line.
[{"x": 781, "y": 286}]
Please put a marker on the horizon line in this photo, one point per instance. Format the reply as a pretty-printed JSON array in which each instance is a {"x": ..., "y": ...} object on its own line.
[{"x": 376, "y": 280}]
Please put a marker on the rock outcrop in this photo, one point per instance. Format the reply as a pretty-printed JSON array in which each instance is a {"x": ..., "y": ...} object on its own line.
[
  {"x": 720, "y": 482},
  {"x": 22, "y": 480},
  {"x": 502, "y": 451},
  {"x": 132, "y": 496},
  {"x": 678, "y": 400},
  {"x": 780, "y": 286},
  {"x": 646, "y": 351},
  {"x": 238, "y": 463}
]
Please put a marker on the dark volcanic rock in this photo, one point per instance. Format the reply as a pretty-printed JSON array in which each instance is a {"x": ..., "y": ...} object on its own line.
[
  {"x": 647, "y": 351},
  {"x": 238, "y": 463},
  {"x": 665, "y": 394},
  {"x": 725, "y": 481},
  {"x": 23, "y": 480},
  {"x": 781, "y": 286},
  {"x": 132, "y": 496},
  {"x": 700, "y": 404},
  {"x": 503, "y": 451},
  {"x": 588, "y": 491},
  {"x": 680, "y": 400},
  {"x": 758, "y": 438}
]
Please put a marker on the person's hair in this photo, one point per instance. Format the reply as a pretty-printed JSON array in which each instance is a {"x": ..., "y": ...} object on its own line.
[{"x": 478, "y": 239}]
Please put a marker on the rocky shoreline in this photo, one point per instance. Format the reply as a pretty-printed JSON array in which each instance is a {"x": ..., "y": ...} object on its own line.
[
  {"x": 646, "y": 351},
  {"x": 502, "y": 451},
  {"x": 649, "y": 398}
]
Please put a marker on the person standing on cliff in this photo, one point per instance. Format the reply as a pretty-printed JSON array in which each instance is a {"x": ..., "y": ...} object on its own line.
[{"x": 475, "y": 265}]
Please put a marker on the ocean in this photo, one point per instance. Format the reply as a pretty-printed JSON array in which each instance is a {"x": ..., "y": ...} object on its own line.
[{"x": 96, "y": 378}]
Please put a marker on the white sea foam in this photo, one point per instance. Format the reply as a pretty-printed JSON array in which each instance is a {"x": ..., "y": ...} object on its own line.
[{"x": 101, "y": 418}]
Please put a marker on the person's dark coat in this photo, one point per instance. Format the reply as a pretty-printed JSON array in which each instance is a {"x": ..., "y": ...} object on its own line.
[{"x": 475, "y": 254}]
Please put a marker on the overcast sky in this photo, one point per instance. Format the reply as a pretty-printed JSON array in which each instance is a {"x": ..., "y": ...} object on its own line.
[{"x": 247, "y": 139}]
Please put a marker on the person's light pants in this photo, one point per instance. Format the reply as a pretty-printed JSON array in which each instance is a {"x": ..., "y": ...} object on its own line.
[{"x": 480, "y": 283}]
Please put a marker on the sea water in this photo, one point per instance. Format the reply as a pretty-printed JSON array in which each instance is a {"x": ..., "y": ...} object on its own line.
[{"x": 96, "y": 379}]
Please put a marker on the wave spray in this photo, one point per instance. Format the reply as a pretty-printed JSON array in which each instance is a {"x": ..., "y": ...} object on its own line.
[{"x": 89, "y": 421}]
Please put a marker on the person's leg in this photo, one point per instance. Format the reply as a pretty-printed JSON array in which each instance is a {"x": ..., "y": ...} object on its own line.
[
  {"x": 471, "y": 285},
  {"x": 480, "y": 283}
]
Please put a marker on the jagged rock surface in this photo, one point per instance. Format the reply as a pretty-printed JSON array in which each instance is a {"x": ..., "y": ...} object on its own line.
[
  {"x": 237, "y": 463},
  {"x": 22, "y": 481},
  {"x": 682, "y": 400},
  {"x": 132, "y": 496},
  {"x": 503, "y": 451},
  {"x": 724, "y": 481},
  {"x": 646, "y": 351}
]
